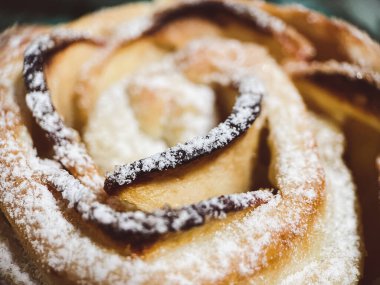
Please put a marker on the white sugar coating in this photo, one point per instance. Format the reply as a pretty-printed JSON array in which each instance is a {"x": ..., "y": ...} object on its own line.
[
  {"x": 341, "y": 243},
  {"x": 46, "y": 42},
  {"x": 37, "y": 80},
  {"x": 66, "y": 143},
  {"x": 188, "y": 109},
  {"x": 39, "y": 103},
  {"x": 14, "y": 264},
  {"x": 113, "y": 140},
  {"x": 15, "y": 267},
  {"x": 70, "y": 154},
  {"x": 41, "y": 218},
  {"x": 224, "y": 65},
  {"x": 39, "y": 46},
  {"x": 181, "y": 110}
]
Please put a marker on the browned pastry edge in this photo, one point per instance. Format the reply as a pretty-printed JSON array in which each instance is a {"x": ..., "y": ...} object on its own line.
[
  {"x": 336, "y": 75},
  {"x": 348, "y": 43}
]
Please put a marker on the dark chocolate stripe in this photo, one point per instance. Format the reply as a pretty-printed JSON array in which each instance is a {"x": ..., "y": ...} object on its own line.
[{"x": 139, "y": 226}]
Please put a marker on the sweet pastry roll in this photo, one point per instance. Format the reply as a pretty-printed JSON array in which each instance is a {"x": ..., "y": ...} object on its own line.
[{"x": 169, "y": 144}]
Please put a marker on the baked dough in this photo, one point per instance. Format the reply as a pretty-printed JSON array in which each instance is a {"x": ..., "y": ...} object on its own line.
[{"x": 264, "y": 196}]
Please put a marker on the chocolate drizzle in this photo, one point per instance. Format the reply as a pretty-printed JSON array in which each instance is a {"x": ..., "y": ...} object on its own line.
[
  {"x": 138, "y": 226},
  {"x": 70, "y": 152}
]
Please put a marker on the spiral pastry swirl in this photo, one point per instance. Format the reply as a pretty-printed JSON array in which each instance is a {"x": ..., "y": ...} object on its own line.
[{"x": 169, "y": 143}]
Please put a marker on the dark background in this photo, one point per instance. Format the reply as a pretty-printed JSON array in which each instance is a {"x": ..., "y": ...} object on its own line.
[{"x": 363, "y": 13}]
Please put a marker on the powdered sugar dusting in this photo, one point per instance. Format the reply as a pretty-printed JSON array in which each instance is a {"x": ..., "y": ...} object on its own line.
[
  {"x": 66, "y": 143},
  {"x": 334, "y": 257},
  {"x": 138, "y": 225},
  {"x": 62, "y": 245},
  {"x": 244, "y": 112},
  {"x": 14, "y": 264},
  {"x": 157, "y": 108},
  {"x": 189, "y": 107},
  {"x": 61, "y": 248},
  {"x": 113, "y": 140}
]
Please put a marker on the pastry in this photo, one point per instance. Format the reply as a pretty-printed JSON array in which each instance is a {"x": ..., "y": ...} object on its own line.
[{"x": 169, "y": 143}]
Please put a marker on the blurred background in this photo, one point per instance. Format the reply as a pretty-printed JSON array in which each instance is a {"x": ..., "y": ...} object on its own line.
[{"x": 363, "y": 13}]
